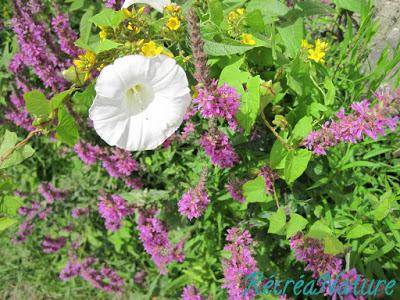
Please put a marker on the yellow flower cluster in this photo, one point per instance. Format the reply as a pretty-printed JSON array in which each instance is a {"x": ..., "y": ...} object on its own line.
[
  {"x": 103, "y": 33},
  {"x": 85, "y": 63},
  {"x": 136, "y": 22},
  {"x": 316, "y": 53},
  {"x": 235, "y": 15},
  {"x": 174, "y": 12},
  {"x": 152, "y": 49}
]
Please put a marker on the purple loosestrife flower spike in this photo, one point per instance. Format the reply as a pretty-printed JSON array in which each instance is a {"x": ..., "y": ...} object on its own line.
[
  {"x": 154, "y": 236},
  {"x": 195, "y": 201},
  {"x": 202, "y": 72},
  {"x": 219, "y": 101},
  {"x": 79, "y": 212},
  {"x": 51, "y": 193},
  {"x": 234, "y": 188},
  {"x": 269, "y": 177},
  {"x": 50, "y": 245},
  {"x": 190, "y": 292},
  {"x": 106, "y": 280},
  {"x": 311, "y": 252},
  {"x": 240, "y": 265},
  {"x": 364, "y": 121},
  {"x": 66, "y": 37},
  {"x": 217, "y": 146},
  {"x": 87, "y": 152},
  {"x": 114, "y": 209},
  {"x": 119, "y": 163}
]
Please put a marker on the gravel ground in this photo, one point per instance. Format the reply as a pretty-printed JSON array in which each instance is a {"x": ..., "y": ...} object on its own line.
[{"x": 388, "y": 15}]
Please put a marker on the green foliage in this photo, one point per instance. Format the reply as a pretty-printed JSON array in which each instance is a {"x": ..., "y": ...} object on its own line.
[{"x": 347, "y": 199}]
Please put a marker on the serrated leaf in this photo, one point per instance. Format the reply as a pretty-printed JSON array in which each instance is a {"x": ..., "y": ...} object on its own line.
[
  {"x": 37, "y": 103},
  {"x": 66, "y": 130},
  {"x": 296, "y": 223},
  {"x": 277, "y": 222}
]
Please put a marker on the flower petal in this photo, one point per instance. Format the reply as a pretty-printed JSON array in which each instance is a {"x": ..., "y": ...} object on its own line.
[{"x": 143, "y": 121}]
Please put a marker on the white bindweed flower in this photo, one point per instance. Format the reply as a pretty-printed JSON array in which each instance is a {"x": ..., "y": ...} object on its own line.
[
  {"x": 156, "y": 4},
  {"x": 140, "y": 101}
]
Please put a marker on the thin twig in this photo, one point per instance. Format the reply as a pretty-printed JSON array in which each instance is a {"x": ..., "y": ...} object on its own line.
[
  {"x": 272, "y": 129},
  {"x": 21, "y": 144}
]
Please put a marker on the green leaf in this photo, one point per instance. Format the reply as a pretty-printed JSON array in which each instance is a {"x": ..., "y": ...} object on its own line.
[
  {"x": 255, "y": 190},
  {"x": 330, "y": 95},
  {"x": 381, "y": 252},
  {"x": 108, "y": 18},
  {"x": 105, "y": 46},
  {"x": 292, "y": 34},
  {"x": 296, "y": 164},
  {"x": 249, "y": 105},
  {"x": 255, "y": 21},
  {"x": 85, "y": 28},
  {"x": 66, "y": 130},
  {"x": 76, "y": 4},
  {"x": 58, "y": 99},
  {"x": 359, "y": 231},
  {"x": 37, "y": 103},
  {"x": 6, "y": 222},
  {"x": 332, "y": 245},
  {"x": 277, "y": 222},
  {"x": 352, "y": 5},
  {"x": 226, "y": 254},
  {"x": 216, "y": 12},
  {"x": 302, "y": 128},
  {"x": 234, "y": 77},
  {"x": 384, "y": 206},
  {"x": 270, "y": 9},
  {"x": 9, "y": 141},
  {"x": 314, "y": 7},
  {"x": 10, "y": 204},
  {"x": 230, "y": 47},
  {"x": 86, "y": 97},
  {"x": 278, "y": 155},
  {"x": 319, "y": 230},
  {"x": 297, "y": 223}
]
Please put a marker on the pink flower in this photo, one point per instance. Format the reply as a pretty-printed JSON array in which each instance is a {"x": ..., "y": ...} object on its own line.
[
  {"x": 218, "y": 148},
  {"x": 114, "y": 209}
]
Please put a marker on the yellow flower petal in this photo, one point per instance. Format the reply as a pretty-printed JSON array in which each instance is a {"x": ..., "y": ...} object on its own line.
[
  {"x": 173, "y": 23},
  {"x": 248, "y": 39}
]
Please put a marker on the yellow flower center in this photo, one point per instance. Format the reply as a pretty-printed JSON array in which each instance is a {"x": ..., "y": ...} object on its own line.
[
  {"x": 173, "y": 23},
  {"x": 248, "y": 39}
]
